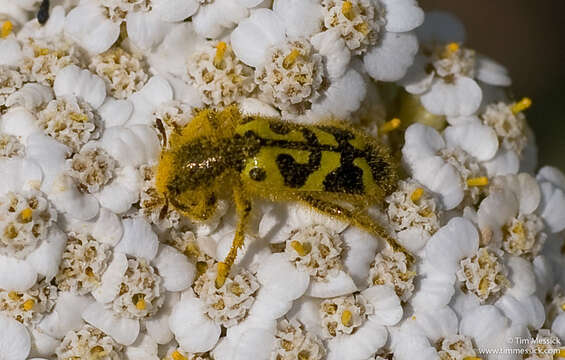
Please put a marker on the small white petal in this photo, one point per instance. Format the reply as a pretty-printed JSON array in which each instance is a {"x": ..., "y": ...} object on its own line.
[
  {"x": 302, "y": 18},
  {"x": 72, "y": 81},
  {"x": 528, "y": 192},
  {"x": 15, "y": 342},
  {"x": 558, "y": 326},
  {"x": 390, "y": 60},
  {"x": 269, "y": 306},
  {"x": 484, "y": 324},
  {"x": 491, "y": 72},
  {"x": 527, "y": 311},
  {"x": 17, "y": 275},
  {"x": 158, "y": 326},
  {"x": 436, "y": 290},
  {"x": 107, "y": 227},
  {"x": 24, "y": 175},
  {"x": 19, "y": 122},
  {"x": 214, "y": 18},
  {"x": 552, "y": 175},
  {"x": 360, "y": 345},
  {"x": 495, "y": 211},
  {"x": 282, "y": 278},
  {"x": 332, "y": 286},
  {"x": 441, "y": 178},
  {"x": 361, "y": 249},
  {"x": 115, "y": 112},
  {"x": 417, "y": 80},
  {"x": 174, "y": 10},
  {"x": 111, "y": 279},
  {"x": 253, "y": 343},
  {"x": 123, "y": 330},
  {"x": 132, "y": 146},
  {"x": 462, "y": 97},
  {"x": 330, "y": 44},
  {"x": 10, "y": 51},
  {"x": 145, "y": 29},
  {"x": 251, "y": 106},
  {"x": 155, "y": 92},
  {"x": 456, "y": 240},
  {"x": 91, "y": 29},
  {"x": 552, "y": 208},
  {"x": 121, "y": 193},
  {"x": 144, "y": 348},
  {"x": 175, "y": 269},
  {"x": 50, "y": 155},
  {"x": 521, "y": 276},
  {"x": 402, "y": 15},
  {"x": 66, "y": 197},
  {"x": 139, "y": 239},
  {"x": 477, "y": 140},
  {"x": 46, "y": 258},
  {"x": 66, "y": 316},
  {"x": 386, "y": 304},
  {"x": 343, "y": 97},
  {"x": 254, "y": 35},
  {"x": 505, "y": 162},
  {"x": 421, "y": 141},
  {"x": 194, "y": 331},
  {"x": 30, "y": 96},
  {"x": 406, "y": 345},
  {"x": 438, "y": 323},
  {"x": 42, "y": 345}
]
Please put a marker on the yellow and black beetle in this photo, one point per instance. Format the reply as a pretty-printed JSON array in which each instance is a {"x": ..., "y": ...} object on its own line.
[{"x": 332, "y": 168}]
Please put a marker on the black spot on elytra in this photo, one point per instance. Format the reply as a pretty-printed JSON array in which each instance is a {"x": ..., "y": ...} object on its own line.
[
  {"x": 294, "y": 174},
  {"x": 347, "y": 178}
]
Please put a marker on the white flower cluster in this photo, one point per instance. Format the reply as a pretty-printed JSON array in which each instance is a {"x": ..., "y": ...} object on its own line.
[{"x": 97, "y": 263}]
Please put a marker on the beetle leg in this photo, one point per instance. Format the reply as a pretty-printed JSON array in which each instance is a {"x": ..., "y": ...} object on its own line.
[
  {"x": 243, "y": 209},
  {"x": 359, "y": 219}
]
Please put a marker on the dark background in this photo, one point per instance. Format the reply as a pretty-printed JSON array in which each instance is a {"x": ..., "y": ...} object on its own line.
[{"x": 528, "y": 37}]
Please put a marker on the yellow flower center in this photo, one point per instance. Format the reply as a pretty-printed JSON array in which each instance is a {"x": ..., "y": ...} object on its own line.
[
  {"x": 176, "y": 355},
  {"x": 6, "y": 29},
  {"x": 141, "y": 304},
  {"x": 417, "y": 195},
  {"x": 28, "y": 305},
  {"x": 522, "y": 105},
  {"x": 346, "y": 318},
  {"x": 389, "y": 126},
  {"x": 347, "y": 10},
  {"x": 25, "y": 215},
  {"x": 220, "y": 53},
  {"x": 78, "y": 117},
  {"x": 301, "y": 249},
  {"x": 478, "y": 181},
  {"x": 290, "y": 59},
  {"x": 452, "y": 48}
]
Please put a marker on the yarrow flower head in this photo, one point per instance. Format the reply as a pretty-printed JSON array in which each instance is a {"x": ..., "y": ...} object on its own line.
[
  {"x": 220, "y": 77},
  {"x": 316, "y": 250},
  {"x": 292, "y": 341},
  {"x": 26, "y": 221},
  {"x": 88, "y": 341},
  {"x": 230, "y": 303}
]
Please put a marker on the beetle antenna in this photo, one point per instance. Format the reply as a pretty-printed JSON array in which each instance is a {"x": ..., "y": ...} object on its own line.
[{"x": 43, "y": 13}]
